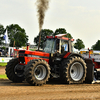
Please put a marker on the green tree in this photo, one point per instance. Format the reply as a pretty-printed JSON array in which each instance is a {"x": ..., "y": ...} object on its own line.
[
  {"x": 2, "y": 31},
  {"x": 62, "y": 31},
  {"x": 69, "y": 36},
  {"x": 96, "y": 46},
  {"x": 44, "y": 33},
  {"x": 48, "y": 32},
  {"x": 79, "y": 44},
  {"x": 17, "y": 34}
]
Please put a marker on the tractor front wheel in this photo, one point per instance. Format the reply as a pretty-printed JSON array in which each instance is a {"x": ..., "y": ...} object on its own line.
[{"x": 37, "y": 72}]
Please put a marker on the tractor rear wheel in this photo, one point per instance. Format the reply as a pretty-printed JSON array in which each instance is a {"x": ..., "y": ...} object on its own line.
[
  {"x": 13, "y": 71},
  {"x": 74, "y": 70},
  {"x": 37, "y": 72}
]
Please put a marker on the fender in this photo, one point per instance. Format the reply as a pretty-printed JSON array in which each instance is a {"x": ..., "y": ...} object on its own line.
[{"x": 69, "y": 54}]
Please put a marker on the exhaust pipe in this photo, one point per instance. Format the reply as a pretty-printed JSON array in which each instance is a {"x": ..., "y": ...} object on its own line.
[{"x": 39, "y": 39}]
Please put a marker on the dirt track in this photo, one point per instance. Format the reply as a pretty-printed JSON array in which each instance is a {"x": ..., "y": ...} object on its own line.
[{"x": 50, "y": 91}]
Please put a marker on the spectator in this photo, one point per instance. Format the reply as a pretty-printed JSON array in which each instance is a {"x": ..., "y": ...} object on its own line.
[
  {"x": 11, "y": 55},
  {"x": 7, "y": 54},
  {"x": 0, "y": 53}
]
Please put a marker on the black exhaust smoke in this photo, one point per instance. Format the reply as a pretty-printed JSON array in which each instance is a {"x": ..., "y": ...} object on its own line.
[{"x": 42, "y": 6}]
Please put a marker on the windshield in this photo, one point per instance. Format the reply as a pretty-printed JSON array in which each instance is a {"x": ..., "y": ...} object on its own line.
[{"x": 49, "y": 46}]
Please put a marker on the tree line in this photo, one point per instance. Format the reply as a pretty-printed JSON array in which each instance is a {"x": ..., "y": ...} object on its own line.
[
  {"x": 17, "y": 37},
  {"x": 47, "y": 32}
]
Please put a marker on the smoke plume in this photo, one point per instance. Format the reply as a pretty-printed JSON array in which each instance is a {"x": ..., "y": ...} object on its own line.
[{"x": 42, "y": 6}]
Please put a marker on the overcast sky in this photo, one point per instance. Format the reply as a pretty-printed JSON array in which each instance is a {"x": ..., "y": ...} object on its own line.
[{"x": 80, "y": 18}]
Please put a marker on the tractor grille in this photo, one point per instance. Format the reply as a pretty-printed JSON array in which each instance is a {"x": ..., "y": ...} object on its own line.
[{"x": 22, "y": 60}]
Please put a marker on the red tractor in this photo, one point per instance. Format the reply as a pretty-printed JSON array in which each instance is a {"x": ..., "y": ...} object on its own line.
[{"x": 56, "y": 60}]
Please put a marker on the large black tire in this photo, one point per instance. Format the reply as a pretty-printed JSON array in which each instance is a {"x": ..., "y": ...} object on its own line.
[
  {"x": 90, "y": 71},
  {"x": 37, "y": 72},
  {"x": 11, "y": 72},
  {"x": 73, "y": 70}
]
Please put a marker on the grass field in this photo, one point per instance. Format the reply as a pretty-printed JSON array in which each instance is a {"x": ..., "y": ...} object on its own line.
[
  {"x": 3, "y": 64},
  {"x": 3, "y": 76}
]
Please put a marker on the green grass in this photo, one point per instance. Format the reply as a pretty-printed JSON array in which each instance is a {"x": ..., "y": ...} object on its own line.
[
  {"x": 32, "y": 49},
  {"x": 3, "y": 76},
  {"x": 3, "y": 64}
]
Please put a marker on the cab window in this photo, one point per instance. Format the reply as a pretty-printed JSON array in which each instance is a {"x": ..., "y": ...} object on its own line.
[{"x": 64, "y": 46}]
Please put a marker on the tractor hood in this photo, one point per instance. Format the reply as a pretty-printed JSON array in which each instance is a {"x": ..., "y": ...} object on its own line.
[
  {"x": 30, "y": 55},
  {"x": 33, "y": 53}
]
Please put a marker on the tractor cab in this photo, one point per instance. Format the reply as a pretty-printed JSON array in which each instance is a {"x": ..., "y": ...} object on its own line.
[{"x": 57, "y": 44}]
